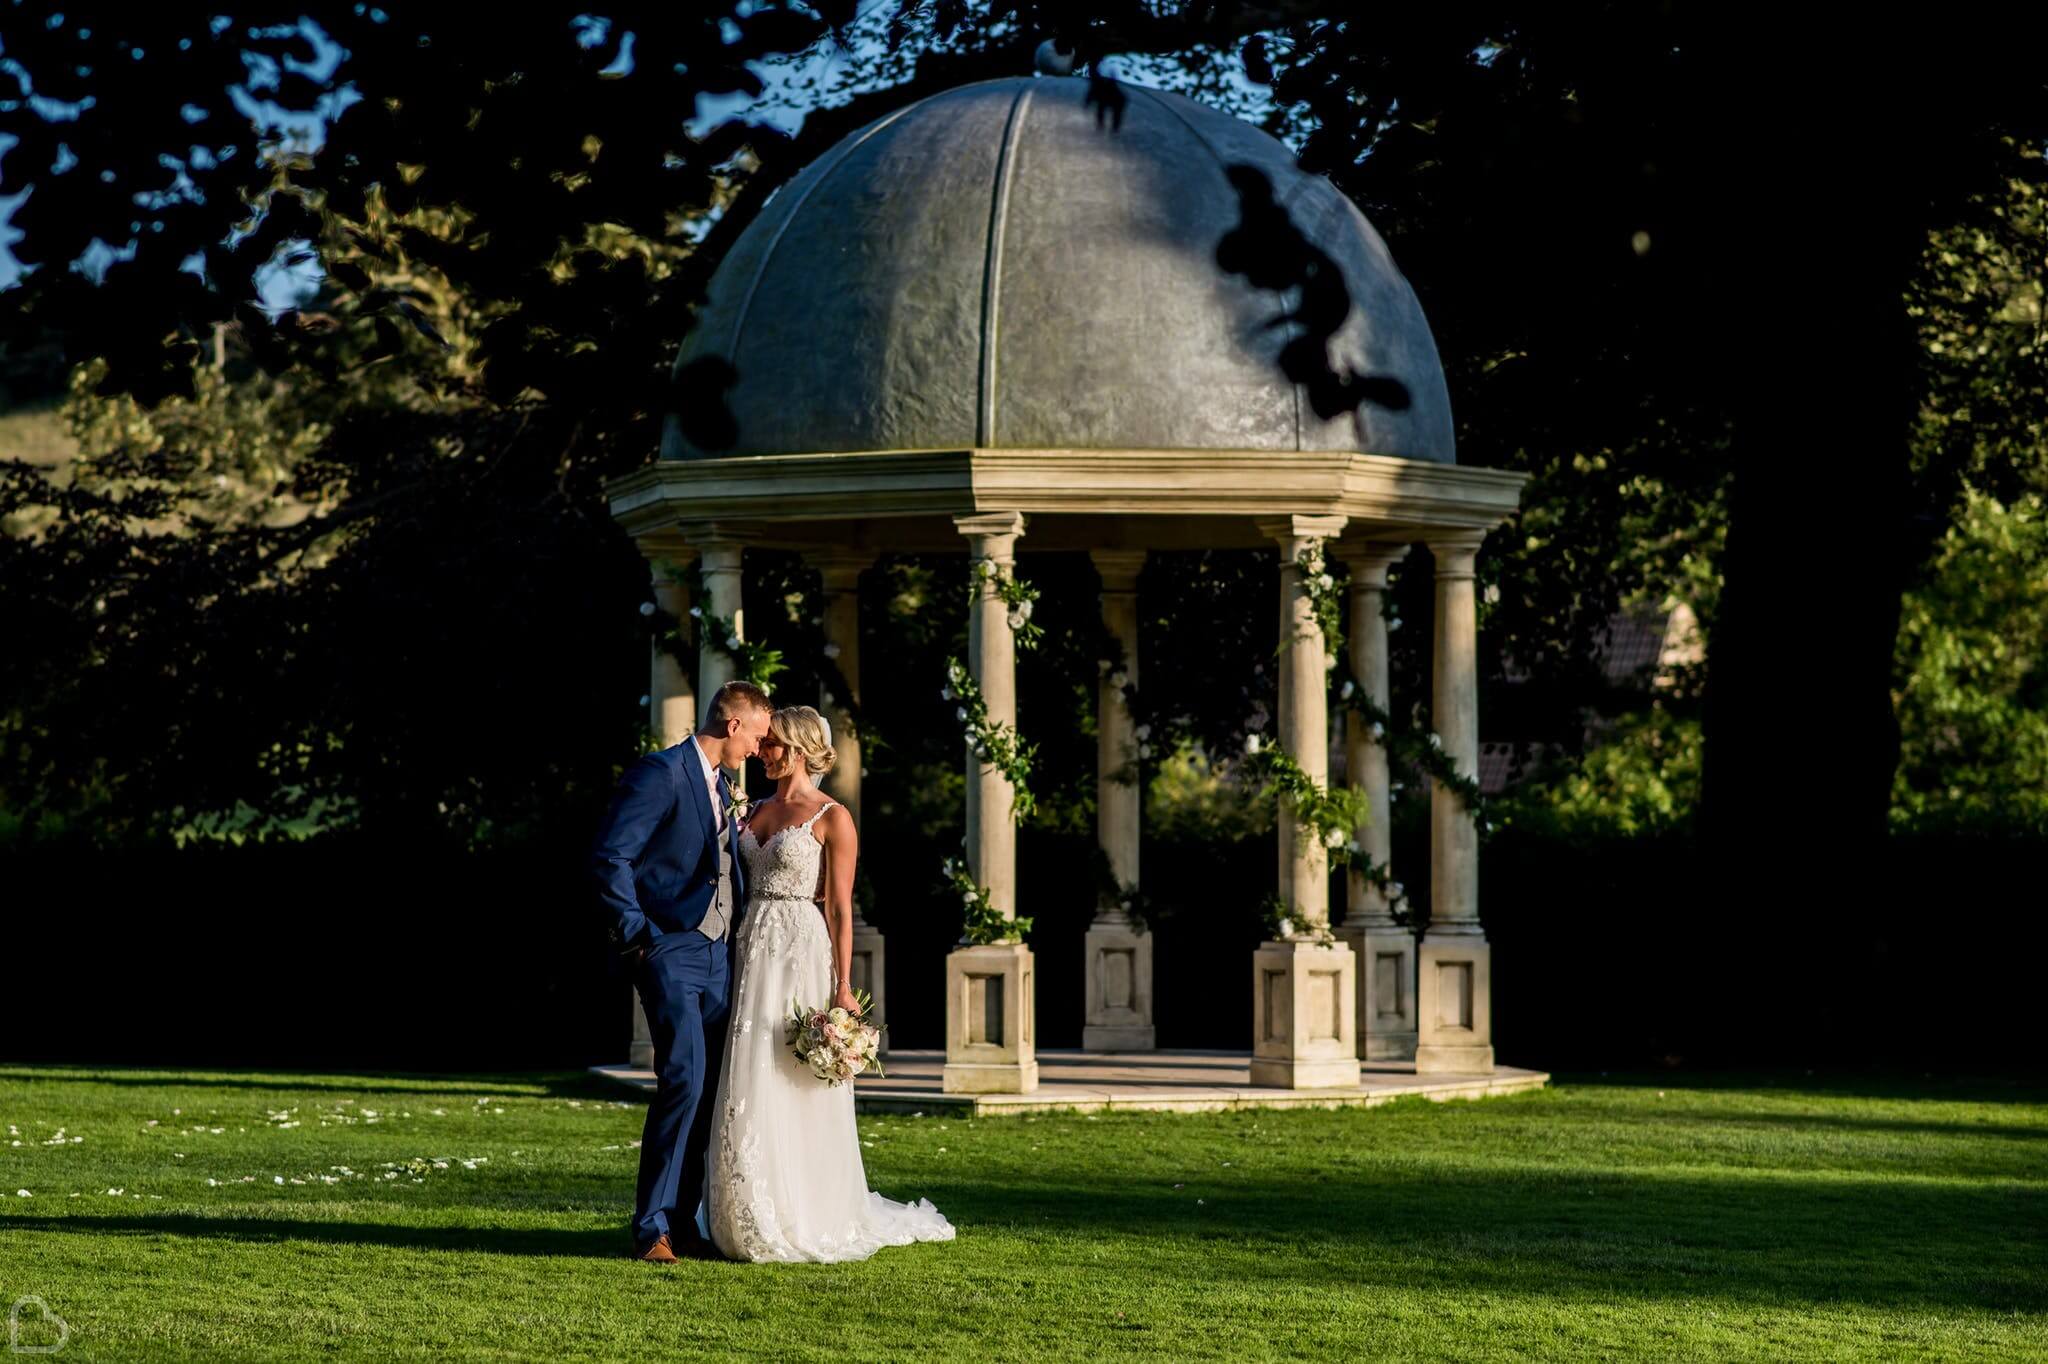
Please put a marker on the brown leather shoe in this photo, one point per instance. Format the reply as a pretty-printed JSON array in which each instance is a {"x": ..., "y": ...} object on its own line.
[{"x": 659, "y": 1253}]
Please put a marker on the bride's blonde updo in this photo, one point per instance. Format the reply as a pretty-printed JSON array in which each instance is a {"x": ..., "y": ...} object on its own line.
[{"x": 802, "y": 731}]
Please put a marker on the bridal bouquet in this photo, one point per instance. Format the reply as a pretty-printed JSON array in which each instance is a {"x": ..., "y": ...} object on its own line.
[{"x": 836, "y": 1044}]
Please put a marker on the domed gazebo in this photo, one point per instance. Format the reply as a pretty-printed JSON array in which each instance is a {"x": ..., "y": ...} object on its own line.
[{"x": 991, "y": 310}]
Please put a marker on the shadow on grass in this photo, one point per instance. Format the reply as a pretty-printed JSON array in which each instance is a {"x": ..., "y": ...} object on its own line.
[
  {"x": 1762, "y": 1240},
  {"x": 548, "y": 1084}
]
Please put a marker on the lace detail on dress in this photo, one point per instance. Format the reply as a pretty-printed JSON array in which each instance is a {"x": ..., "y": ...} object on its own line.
[
  {"x": 791, "y": 866},
  {"x": 786, "y": 1180}
]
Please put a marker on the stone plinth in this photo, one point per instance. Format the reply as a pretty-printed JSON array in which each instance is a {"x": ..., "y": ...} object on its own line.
[
  {"x": 1304, "y": 1016},
  {"x": 867, "y": 971},
  {"x": 1454, "y": 1005},
  {"x": 1119, "y": 1016},
  {"x": 1386, "y": 990},
  {"x": 991, "y": 1035}
]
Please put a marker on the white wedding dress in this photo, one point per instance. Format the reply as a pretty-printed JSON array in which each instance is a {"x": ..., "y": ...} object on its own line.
[{"x": 785, "y": 1178}]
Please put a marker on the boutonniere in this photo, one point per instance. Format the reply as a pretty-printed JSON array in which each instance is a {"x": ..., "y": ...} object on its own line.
[{"x": 738, "y": 804}]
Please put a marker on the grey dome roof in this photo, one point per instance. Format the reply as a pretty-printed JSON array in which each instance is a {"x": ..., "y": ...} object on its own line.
[{"x": 988, "y": 267}]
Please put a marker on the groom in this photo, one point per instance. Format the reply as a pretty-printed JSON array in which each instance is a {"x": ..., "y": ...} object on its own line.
[{"x": 667, "y": 869}]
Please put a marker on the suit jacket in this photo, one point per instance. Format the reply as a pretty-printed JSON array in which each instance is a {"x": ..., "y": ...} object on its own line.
[{"x": 655, "y": 864}]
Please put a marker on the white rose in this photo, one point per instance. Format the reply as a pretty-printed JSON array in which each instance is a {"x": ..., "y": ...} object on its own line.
[
  {"x": 1016, "y": 619},
  {"x": 1251, "y": 743},
  {"x": 1334, "y": 839},
  {"x": 1325, "y": 581},
  {"x": 1024, "y": 609}
]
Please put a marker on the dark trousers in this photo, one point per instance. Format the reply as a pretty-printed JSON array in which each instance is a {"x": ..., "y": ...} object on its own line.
[{"x": 685, "y": 984}]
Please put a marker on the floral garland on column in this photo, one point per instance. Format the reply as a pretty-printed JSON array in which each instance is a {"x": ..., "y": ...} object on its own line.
[
  {"x": 1420, "y": 748},
  {"x": 752, "y": 662},
  {"x": 997, "y": 744},
  {"x": 982, "y": 924}
]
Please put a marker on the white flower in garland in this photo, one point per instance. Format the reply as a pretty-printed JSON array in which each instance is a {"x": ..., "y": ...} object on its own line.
[
  {"x": 732, "y": 641},
  {"x": 1325, "y": 581},
  {"x": 1348, "y": 688},
  {"x": 1333, "y": 838},
  {"x": 960, "y": 712},
  {"x": 697, "y": 612},
  {"x": 1251, "y": 745},
  {"x": 830, "y": 650},
  {"x": 645, "y": 700},
  {"x": 945, "y": 693},
  {"x": 1024, "y": 608},
  {"x": 647, "y": 608},
  {"x": 1142, "y": 733}
]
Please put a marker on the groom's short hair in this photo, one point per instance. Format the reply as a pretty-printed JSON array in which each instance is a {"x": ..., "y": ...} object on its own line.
[{"x": 733, "y": 700}]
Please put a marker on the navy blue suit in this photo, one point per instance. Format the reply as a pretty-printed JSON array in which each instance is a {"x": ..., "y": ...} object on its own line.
[{"x": 655, "y": 871}]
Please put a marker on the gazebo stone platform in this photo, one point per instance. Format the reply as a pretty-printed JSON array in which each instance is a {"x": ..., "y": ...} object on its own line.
[{"x": 1147, "y": 1081}]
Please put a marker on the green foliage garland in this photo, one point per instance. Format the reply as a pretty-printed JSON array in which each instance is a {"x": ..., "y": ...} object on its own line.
[
  {"x": 1016, "y": 593},
  {"x": 981, "y": 923},
  {"x": 998, "y": 745}
]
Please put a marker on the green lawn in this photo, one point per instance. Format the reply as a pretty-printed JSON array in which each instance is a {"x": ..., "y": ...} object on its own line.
[{"x": 247, "y": 1216}]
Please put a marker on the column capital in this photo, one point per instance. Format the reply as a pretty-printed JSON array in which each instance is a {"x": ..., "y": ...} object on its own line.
[
  {"x": 1455, "y": 552},
  {"x": 992, "y": 535},
  {"x": 1291, "y": 530},
  {"x": 840, "y": 567},
  {"x": 1119, "y": 568},
  {"x": 977, "y": 524},
  {"x": 1369, "y": 560},
  {"x": 665, "y": 547}
]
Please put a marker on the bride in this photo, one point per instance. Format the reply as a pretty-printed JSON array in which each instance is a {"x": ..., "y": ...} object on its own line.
[{"x": 785, "y": 1178}]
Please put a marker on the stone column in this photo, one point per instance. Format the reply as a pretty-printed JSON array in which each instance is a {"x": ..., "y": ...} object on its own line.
[
  {"x": 1385, "y": 949},
  {"x": 671, "y": 715},
  {"x": 1454, "y": 989},
  {"x": 839, "y": 571},
  {"x": 990, "y": 1030},
  {"x": 671, "y": 691},
  {"x": 1304, "y": 989},
  {"x": 1119, "y": 963},
  {"x": 721, "y": 555}
]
